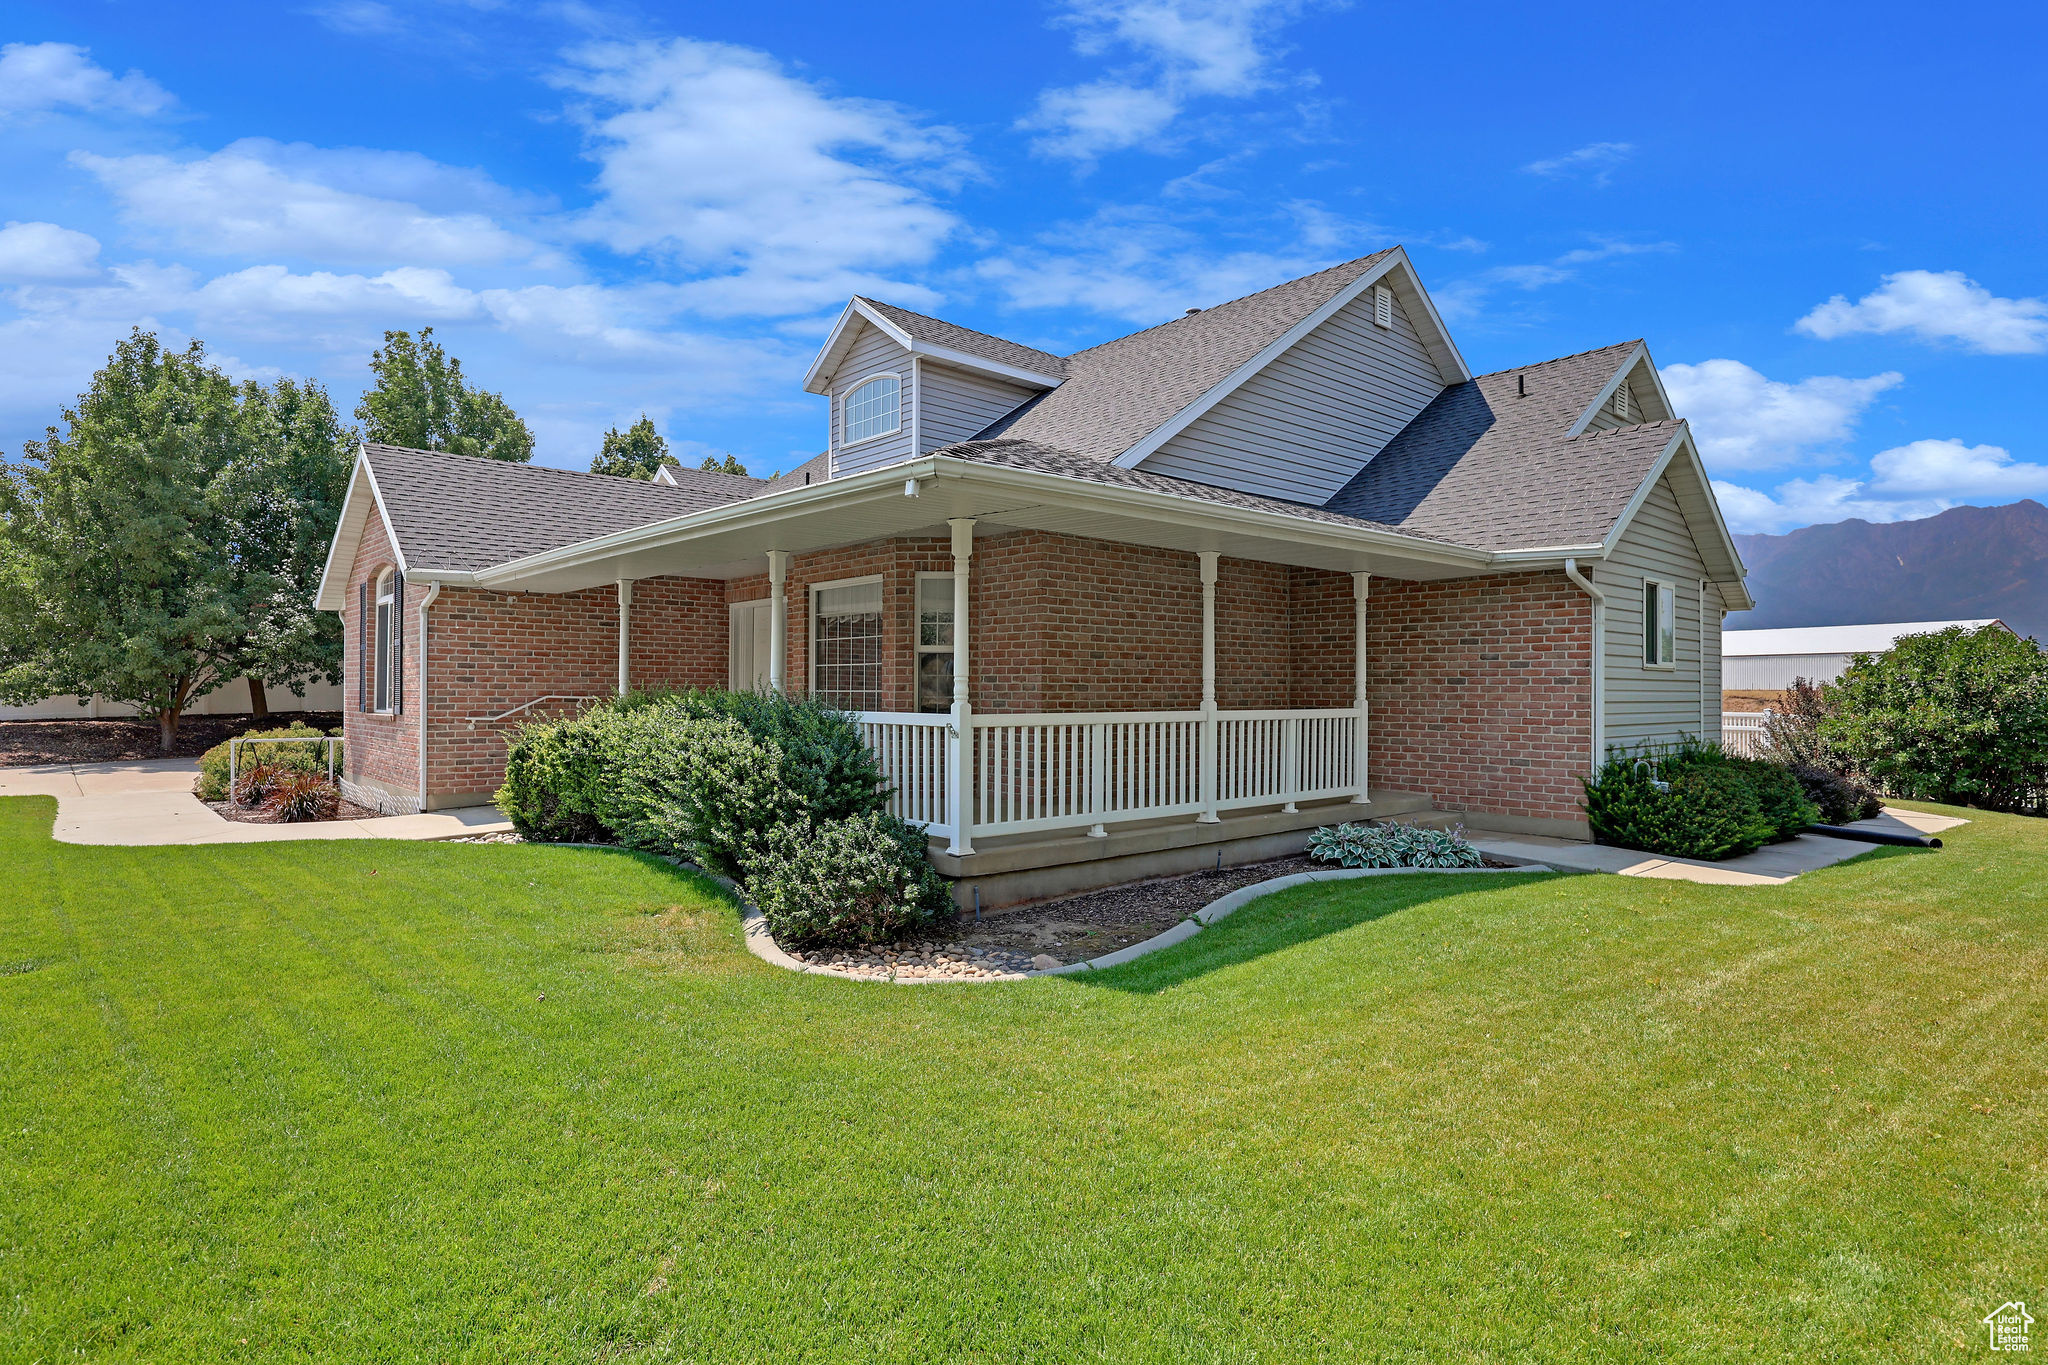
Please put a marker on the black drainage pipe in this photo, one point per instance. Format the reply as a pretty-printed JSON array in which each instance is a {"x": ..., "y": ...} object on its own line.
[{"x": 1876, "y": 836}]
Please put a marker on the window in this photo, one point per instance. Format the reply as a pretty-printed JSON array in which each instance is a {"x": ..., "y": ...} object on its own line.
[
  {"x": 1660, "y": 625},
  {"x": 873, "y": 409},
  {"x": 384, "y": 636},
  {"x": 846, "y": 644},
  {"x": 935, "y": 642}
]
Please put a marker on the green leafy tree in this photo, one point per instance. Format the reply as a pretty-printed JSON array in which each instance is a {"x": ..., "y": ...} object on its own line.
[
  {"x": 729, "y": 465},
  {"x": 421, "y": 400},
  {"x": 1954, "y": 715},
  {"x": 114, "y": 576},
  {"x": 635, "y": 453}
]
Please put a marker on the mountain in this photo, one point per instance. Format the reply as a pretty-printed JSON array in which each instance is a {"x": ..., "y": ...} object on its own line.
[{"x": 1963, "y": 563}]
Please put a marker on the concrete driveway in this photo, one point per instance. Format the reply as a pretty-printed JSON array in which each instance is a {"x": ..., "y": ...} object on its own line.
[{"x": 151, "y": 802}]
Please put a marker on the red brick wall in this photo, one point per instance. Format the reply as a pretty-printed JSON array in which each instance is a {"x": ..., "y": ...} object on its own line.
[
  {"x": 1481, "y": 692},
  {"x": 383, "y": 749}
]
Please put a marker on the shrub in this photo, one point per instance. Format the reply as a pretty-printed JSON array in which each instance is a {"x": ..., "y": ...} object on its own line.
[
  {"x": 254, "y": 784},
  {"x": 1954, "y": 715},
  {"x": 307, "y": 758},
  {"x": 1392, "y": 845},
  {"x": 1839, "y": 797},
  {"x": 863, "y": 879},
  {"x": 1781, "y": 799},
  {"x": 1793, "y": 730},
  {"x": 1687, "y": 801},
  {"x": 296, "y": 796},
  {"x": 552, "y": 779}
]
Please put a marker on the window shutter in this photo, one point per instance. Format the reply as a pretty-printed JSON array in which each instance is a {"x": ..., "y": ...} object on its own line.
[
  {"x": 363, "y": 645},
  {"x": 1382, "y": 306},
  {"x": 398, "y": 644}
]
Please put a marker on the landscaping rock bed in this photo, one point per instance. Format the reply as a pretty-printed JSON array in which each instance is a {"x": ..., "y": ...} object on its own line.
[{"x": 256, "y": 815}]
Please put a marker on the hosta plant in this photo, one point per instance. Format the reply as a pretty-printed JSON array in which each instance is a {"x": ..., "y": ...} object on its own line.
[{"x": 1393, "y": 845}]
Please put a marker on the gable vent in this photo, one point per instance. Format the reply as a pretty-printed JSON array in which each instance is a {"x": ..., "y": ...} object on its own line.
[
  {"x": 1382, "y": 306},
  {"x": 1621, "y": 400}
]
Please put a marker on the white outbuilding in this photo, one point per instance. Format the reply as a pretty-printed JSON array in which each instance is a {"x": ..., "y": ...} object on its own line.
[{"x": 1768, "y": 660}]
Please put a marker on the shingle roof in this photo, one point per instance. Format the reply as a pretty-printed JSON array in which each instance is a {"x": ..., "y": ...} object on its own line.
[
  {"x": 1487, "y": 467},
  {"x": 463, "y": 513},
  {"x": 814, "y": 470},
  {"x": 1011, "y": 453},
  {"x": 952, "y": 336},
  {"x": 1118, "y": 393}
]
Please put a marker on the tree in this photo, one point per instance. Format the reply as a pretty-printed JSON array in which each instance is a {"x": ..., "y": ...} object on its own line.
[
  {"x": 635, "y": 453},
  {"x": 421, "y": 400},
  {"x": 113, "y": 574},
  {"x": 1954, "y": 715},
  {"x": 729, "y": 465}
]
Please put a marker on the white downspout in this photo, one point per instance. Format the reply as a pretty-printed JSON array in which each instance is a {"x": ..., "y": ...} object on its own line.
[
  {"x": 1571, "y": 571},
  {"x": 1703, "y": 661},
  {"x": 778, "y": 621},
  {"x": 433, "y": 591}
]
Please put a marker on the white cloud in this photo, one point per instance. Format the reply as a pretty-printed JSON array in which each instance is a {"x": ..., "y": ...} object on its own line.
[
  {"x": 44, "y": 251},
  {"x": 1743, "y": 420},
  {"x": 258, "y": 197},
  {"x": 41, "y": 77},
  {"x": 713, "y": 156},
  {"x": 1955, "y": 472},
  {"x": 1936, "y": 306},
  {"x": 1182, "y": 49},
  {"x": 1466, "y": 298},
  {"x": 1806, "y": 502},
  {"x": 1595, "y": 161}
]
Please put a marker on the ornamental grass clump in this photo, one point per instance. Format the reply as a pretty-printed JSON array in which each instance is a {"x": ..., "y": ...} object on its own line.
[
  {"x": 296, "y": 796},
  {"x": 305, "y": 758},
  {"x": 1392, "y": 845}
]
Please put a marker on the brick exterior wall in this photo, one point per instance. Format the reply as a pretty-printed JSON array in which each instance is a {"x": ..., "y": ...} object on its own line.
[
  {"x": 1480, "y": 687},
  {"x": 1482, "y": 692},
  {"x": 380, "y": 752}
]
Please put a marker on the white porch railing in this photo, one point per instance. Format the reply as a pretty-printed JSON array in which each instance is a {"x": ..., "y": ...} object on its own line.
[
  {"x": 1073, "y": 769},
  {"x": 1745, "y": 732}
]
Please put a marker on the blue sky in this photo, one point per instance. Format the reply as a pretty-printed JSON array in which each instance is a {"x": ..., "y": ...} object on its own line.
[{"x": 1827, "y": 221}]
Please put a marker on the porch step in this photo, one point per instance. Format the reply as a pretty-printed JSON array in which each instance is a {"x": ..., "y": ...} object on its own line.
[{"x": 1022, "y": 868}]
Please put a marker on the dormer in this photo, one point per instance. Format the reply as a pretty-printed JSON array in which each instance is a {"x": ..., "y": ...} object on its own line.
[
  {"x": 1634, "y": 395},
  {"x": 901, "y": 384}
]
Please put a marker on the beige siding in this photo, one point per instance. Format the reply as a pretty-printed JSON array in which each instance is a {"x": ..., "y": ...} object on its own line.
[
  {"x": 872, "y": 353},
  {"x": 1606, "y": 419},
  {"x": 955, "y": 405},
  {"x": 1710, "y": 689},
  {"x": 1647, "y": 704},
  {"x": 1304, "y": 425}
]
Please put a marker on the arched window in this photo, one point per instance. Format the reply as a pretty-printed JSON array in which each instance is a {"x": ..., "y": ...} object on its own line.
[
  {"x": 874, "y": 408},
  {"x": 385, "y": 631}
]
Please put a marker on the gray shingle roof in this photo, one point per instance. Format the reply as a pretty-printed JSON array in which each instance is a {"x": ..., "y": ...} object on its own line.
[
  {"x": 1118, "y": 393},
  {"x": 1011, "y": 453},
  {"x": 464, "y": 513},
  {"x": 952, "y": 336},
  {"x": 1486, "y": 467}
]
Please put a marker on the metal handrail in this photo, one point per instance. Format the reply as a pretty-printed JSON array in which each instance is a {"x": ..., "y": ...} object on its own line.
[
  {"x": 327, "y": 742},
  {"x": 474, "y": 721}
]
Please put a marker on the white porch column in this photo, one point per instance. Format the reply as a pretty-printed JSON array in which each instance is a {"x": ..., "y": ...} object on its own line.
[
  {"x": 625, "y": 635},
  {"x": 960, "y": 736},
  {"x": 778, "y": 621},
  {"x": 1208, "y": 755},
  {"x": 1361, "y": 590}
]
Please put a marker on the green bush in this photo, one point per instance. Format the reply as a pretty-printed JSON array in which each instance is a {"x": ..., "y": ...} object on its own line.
[
  {"x": 1781, "y": 798},
  {"x": 863, "y": 879},
  {"x": 554, "y": 779},
  {"x": 304, "y": 758},
  {"x": 1839, "y": 797},
  {"x": 1954, "y": 715},
  {"x": 1687, "y": 801}
]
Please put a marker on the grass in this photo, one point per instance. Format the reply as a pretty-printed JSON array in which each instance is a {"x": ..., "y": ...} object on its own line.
[{"x": 399, "y": 1102}]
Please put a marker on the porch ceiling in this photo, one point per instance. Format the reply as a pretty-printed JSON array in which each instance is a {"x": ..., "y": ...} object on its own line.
[{"x": 733, "y": 541}]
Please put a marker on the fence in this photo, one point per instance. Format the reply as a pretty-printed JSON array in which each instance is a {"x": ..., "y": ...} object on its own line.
[{"x": 1745, "y": 732}]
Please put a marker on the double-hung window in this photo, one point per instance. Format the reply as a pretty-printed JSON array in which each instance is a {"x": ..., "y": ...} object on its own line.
[
  {"x": 1660, "y": 624},
  {"x": 934, "y": 642},
  {"x": 846, "y": 644},
  {"x": 385, "y": 630},
  {"x": 874, "y": 408}
]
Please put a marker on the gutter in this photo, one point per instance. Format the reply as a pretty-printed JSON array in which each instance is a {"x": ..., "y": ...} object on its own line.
[
  {"x": 433, "y": 591},
  {"x": 1571, "y": 571}
]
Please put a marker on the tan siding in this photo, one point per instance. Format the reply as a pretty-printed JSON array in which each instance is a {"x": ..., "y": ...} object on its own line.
[
  {"x": 1304, "y": 425},
  {"x": 872, "y": 352},
  {"x": 957, "y": 404},
  {"x": 1606, "y": 418},
  {"x": 1655, "y": 704},
  {"x": 1711, "y": 655}
]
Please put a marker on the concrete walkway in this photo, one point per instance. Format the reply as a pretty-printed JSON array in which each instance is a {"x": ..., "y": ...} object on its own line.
[
  {"x": 1772, "y": 865},
  {"x": 151, "y": 802}
]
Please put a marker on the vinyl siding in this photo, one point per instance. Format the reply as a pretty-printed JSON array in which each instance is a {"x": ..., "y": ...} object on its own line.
[
  {"x": 1710, "y": 687},
  {"x": 958, "y": 404},
  {"x": 1606, "y": 420},
  {"x": 872, "y": 352},
  {"x": 1657, "y": 705},
  {"x": 1304, "y": 425}
]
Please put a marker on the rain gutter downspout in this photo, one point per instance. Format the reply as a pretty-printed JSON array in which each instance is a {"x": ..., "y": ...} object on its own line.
[
  {"x": 1571, "y": 571},
  {"x": 433, "y": 591}
]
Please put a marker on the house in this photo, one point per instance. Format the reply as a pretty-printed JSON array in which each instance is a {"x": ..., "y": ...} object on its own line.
[
  {"x": 1757, "y": 665},
  {"x": 1167, "y": 601}
]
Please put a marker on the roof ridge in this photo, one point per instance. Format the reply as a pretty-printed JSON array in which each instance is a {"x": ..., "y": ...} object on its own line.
[
  {"x": 948, "y": 322},
  {"x": 1241, "y": 298},
  {"x": 557, "y": 469},
  {"x": 1575, "y": 355}
]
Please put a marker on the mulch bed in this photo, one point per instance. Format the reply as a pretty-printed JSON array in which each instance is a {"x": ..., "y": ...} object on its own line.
[
  {"x": 256, "y": 815},
  {"x": 27, "y": 742}
]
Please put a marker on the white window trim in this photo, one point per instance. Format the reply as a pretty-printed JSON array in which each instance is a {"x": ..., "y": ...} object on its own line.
[
  {"x": 846, "y": 397},
  {"x": 811, "y": 591},
  {"x": 918, "y": 649},
  {"x": 1666, "y": 592},
  {"x": 383, "y": 625}
]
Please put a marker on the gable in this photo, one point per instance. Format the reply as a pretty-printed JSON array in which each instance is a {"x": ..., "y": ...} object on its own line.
[
  {"x": 1303, "y": 426},
  {"x": 869, "y": 351},
  {"x": 1633, "y": 395}
]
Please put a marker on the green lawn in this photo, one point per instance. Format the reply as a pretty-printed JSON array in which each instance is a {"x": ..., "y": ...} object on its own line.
[{"x": 392, "y": 1102}]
